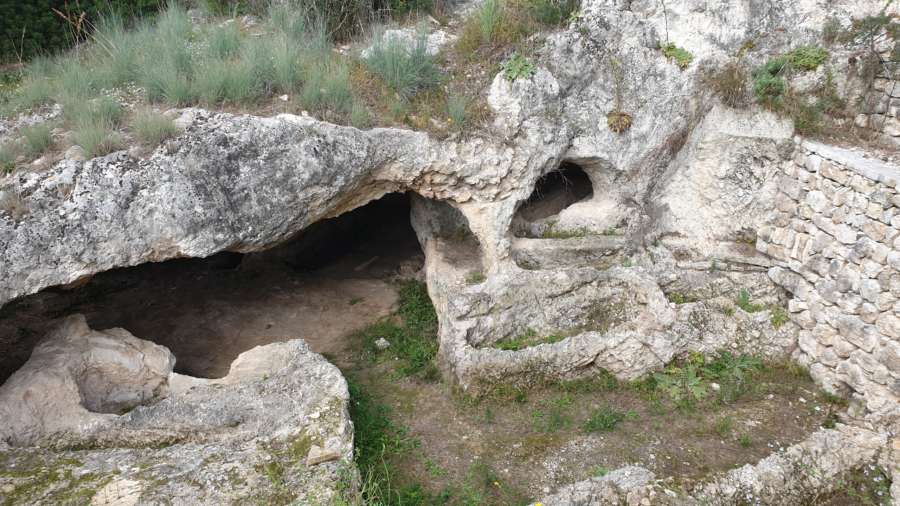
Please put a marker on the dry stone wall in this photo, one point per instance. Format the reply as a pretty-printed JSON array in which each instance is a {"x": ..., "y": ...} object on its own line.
[
  {"x": 835, "y": 237},
  {"x": 881, "y": 103}
]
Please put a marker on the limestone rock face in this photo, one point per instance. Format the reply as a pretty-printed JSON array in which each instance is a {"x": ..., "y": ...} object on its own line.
[
  {"x": 276, "y": 426},
  {"x": 77, "y": 379}
]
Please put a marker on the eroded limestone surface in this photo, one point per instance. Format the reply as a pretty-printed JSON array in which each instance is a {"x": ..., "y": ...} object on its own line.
[{"x": 275, "y": 428}]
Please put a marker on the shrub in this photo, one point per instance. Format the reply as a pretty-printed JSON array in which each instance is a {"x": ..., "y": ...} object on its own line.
[
  {"x": 37, "y": 139},
  {"x": 769, "y": 89},
  {"x": 151, "y": 128},
  {"x": 495, "y": 23},
  {"x": 603, "y": 419},
  {"x": 730, "y": 84},
  {"x": 32, "y": 28},
  {"x": 405, "y": 70},
  {"x": 552, "y": 12},
  {"x": 680, "y": 56},
  {"x": 807, "y": 58},
  {"x": 517, "y": 66}
]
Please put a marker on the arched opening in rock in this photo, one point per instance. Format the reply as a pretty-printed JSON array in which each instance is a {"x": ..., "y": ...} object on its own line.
[
  {"x": 333, "y": 278},
  {"x": 556, "y": 191}
]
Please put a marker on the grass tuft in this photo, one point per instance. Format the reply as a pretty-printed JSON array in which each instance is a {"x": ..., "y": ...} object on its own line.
[
  {"x": 152, "y": 128},
  {"x": 682, "y": 57},
  {"x": 603, "y": 419},
  {"x": 37, "y": 139},
  {"x": 405, "y": 70}
]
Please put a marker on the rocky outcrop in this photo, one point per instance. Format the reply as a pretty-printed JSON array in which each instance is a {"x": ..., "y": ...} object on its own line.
[{"x": 276, "y": 428}]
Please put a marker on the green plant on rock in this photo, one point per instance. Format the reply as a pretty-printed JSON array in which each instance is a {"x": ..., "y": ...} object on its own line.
[
  {"x": 807, "y": 58},
  {"x": 743, "y": 301},
  {"x": 779, "y": 316},
  {"x": 682, "y": 57},
  {"x": 617, "y": 120},
  {"x": 730, "y": 84},
  {"x": 516, "y": 67}
]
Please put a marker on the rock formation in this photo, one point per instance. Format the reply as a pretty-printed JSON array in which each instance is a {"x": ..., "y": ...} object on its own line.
[{"x": 677, "y": 203}]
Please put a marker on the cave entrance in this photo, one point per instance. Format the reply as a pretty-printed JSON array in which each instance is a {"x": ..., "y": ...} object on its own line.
[
  {"x": 556, "y": 191},
  {"x": 333, "y": 278}
]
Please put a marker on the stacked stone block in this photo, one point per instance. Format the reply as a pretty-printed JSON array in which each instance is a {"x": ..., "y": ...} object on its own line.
[
  {"x": 835, "y": 237},
  {"x": 881, "y": 104}
]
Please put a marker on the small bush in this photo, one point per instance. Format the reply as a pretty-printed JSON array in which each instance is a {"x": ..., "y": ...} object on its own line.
[
  {"x": 682, "y": 57},
  {"x": 37, "y": 139},
  {"x": 152, "y": 128},
  {"x": 618, "y": 121},
  {"x": 806, "y": 58},
  {"x": 769, "y": 89},
  {"x": 730, "y": 84},
  {"x": 552, "y": 12},
  {"x": 405, "y": 70},
  {"x": 517, "y": 66},
  {"x": 603, "y": 419}
]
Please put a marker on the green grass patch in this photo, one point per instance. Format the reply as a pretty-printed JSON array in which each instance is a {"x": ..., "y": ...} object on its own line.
[
  {"x": 413, "y": 335},
  {"x": 152, "y": 128},
  {"x": 527, "y": 339},
  {"x": 681, "y": 298},
  {"x": 604, "y": 419},
  {"x": 405, "y": 70},
  {"x": 38, "y": 139},
  {"x": 552, "y": 415}
]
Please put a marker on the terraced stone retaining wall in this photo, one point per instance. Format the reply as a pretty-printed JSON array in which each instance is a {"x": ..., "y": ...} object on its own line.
[{"x": 835, "y": 236}]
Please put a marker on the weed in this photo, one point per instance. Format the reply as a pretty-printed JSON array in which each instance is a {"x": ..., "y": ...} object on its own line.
[
  {"x": 682, "y": 384},
  {"x": 743, "y": 301},
  {"x": 806, "y": 58},
  {"x": 405, "y": 70},
  {"x": 552, "y": 416},
  {"x": 553, "y": 233},
  {"x": 475, "y": 277},
  {"x": 733, "y": 372},
  {"x": 516, "y": 67},
  {"x": 603, "y": 419},
  {"x": 552, "y": 12},
  {"x": 599, "y": 471},
  {"x": 680, "y": 56},
  {"x": 96, "y": 140},
  {"x": 37, "y": 139},
  {"x": 603, "y": 382},
  {"x": 681, "y": 298},
  {"x": 724, "y": 426},
  {"x": 457, "y": 111},
  {"x": 152, "y": 128},
  {"x": 327, "y": 87},
  {"x": 414, "y": 342},
  {"x": 9, "y": 151},
  {"x": 730, "y": 84},
  {"x": 745, "y": 441},
  {"x": 359, "y": 115},
  {"x": 779, "y": 316},
  {"x": 526, "y": 340}
]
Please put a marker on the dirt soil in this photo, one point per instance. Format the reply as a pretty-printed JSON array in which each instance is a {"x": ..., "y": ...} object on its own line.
[{"x": 535, "y": 444}]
